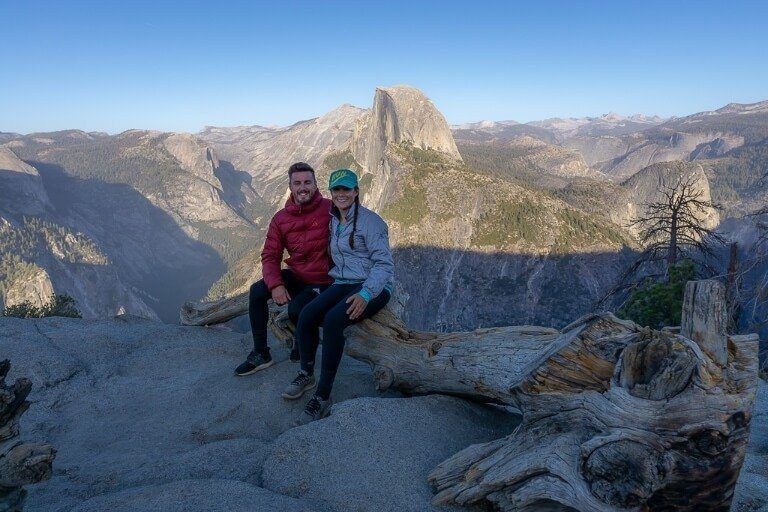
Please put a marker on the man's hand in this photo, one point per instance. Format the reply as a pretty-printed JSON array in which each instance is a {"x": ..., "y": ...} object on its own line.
[
  {"x": 357, "y": 306},
  {"x": 280, "y": 295}
]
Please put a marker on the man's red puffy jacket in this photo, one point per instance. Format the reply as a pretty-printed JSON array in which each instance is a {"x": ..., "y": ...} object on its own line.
[{"x": 302, "y": 230}]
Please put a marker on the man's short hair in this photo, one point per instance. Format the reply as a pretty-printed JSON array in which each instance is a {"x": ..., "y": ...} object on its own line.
[{"x": 300, "y": 167}]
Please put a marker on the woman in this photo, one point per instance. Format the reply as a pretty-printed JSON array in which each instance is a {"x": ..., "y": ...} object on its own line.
[{"x": 363, "y": 274}]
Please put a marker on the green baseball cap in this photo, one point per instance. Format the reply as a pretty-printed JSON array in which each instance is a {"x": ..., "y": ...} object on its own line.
[{"x": 342, "y": 178}]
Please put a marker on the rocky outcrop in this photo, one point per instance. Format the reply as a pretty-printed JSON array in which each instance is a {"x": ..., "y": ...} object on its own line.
[
  {"x": 400, "y": 115},
  {"x": 34, "y": 287},
  {"x": 38, "y": 258},
  {"x": 193, "y": 156},
  {"x": 148, "y": 416},
  {"x": 666, "y": 145}
]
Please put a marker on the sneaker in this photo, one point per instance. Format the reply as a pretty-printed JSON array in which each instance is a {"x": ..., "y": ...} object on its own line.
[
  {"x": 303, "y": 382},
  {"x": 253, "y": 363},
  {"x": 316, "y": 409},
  {"x": 295, "y": 357}
]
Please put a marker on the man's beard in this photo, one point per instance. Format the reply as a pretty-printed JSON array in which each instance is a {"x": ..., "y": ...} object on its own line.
[{"x": 307, "y": 197}]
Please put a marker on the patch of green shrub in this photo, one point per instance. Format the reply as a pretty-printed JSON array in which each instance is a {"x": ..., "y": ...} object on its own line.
[
  {"x": 658, "y": 304},
  {"x": 58, "y": 305}
]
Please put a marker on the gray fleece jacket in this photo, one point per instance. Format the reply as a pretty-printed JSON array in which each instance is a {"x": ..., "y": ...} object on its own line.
[{"x": 370, "y": 262}]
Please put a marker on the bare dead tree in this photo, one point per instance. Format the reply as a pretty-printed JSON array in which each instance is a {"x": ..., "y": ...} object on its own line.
[{"x": 671, "y": 229}]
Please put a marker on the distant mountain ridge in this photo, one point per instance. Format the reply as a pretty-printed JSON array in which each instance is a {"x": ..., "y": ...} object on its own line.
[{"x": 526, "y": 211}]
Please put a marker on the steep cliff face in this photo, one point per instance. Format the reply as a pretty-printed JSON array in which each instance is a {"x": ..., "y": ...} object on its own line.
[
  {"x": 194, "y": 156},
  {"x": 21, "y": 188},
  {"x": 38, "y": 258},
  {"x": 266, "y": 153},
  {"x": 401, "y": 114},
  {"x": 163, "y": 208},
  {"x": 475, "y": 250}
]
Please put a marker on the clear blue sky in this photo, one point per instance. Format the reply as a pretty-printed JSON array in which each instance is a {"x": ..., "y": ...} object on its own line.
[{"x": 109, "y": 65}]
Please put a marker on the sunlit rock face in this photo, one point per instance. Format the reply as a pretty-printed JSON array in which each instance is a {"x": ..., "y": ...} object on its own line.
[
  {"x": 649, "y": 184},
  {"x": 34, "y": 288},
  {"x": 400, "y": 115},
  {"x": 266, "y": 153}
]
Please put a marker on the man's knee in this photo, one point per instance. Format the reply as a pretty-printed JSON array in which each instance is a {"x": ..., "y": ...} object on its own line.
[{"x": 259, "y": 291}]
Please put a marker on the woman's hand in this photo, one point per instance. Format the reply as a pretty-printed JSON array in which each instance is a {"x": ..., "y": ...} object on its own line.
[{"x": 357, "y": 307}]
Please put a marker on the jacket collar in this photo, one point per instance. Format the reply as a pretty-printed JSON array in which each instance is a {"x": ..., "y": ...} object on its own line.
[
  {"x": 300, "y": 209},
  {"x": 350, "y": 213}
]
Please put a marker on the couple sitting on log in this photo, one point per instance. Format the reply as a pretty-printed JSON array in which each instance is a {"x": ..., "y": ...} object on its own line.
[{"x": 339, "y": 272}]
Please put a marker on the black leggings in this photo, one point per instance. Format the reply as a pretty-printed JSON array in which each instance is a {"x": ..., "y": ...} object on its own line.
[
  {"x": 301, "y": 294},
  {"x": 330, "y": 309}
]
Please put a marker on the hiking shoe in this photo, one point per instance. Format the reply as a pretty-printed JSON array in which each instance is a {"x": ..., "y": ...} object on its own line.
[
  {"x": 303, "y": 382},
  {"x": 295, "y": 357},
  {"x": 253, "y": 363},
  {"x": 316, "y": 409}
]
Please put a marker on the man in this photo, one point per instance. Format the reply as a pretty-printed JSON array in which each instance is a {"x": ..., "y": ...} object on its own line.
[{"x": 301, "y": 228}]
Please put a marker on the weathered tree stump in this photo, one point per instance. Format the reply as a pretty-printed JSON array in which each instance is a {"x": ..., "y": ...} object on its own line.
[
  {"x": 615, "y": 417},
  {"x": 20, "y": 463}
]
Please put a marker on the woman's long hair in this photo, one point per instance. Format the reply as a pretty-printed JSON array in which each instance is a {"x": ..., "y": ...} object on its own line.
[{"x": 354, "y": 220}]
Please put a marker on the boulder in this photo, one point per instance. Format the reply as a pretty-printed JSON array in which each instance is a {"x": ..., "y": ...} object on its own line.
[
  {"x": 374, "y": 454},
  {"x": 196, "y": 495},
  {"x": 131, "y": 403},
  {"x": 751, "y": 493}
]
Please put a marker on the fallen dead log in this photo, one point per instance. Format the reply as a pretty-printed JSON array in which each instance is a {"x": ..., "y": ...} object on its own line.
[
  {"x": 615, "y": 417},
  {"x": 216, "y": 312},
  {"x": 20, "y": 463}
]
